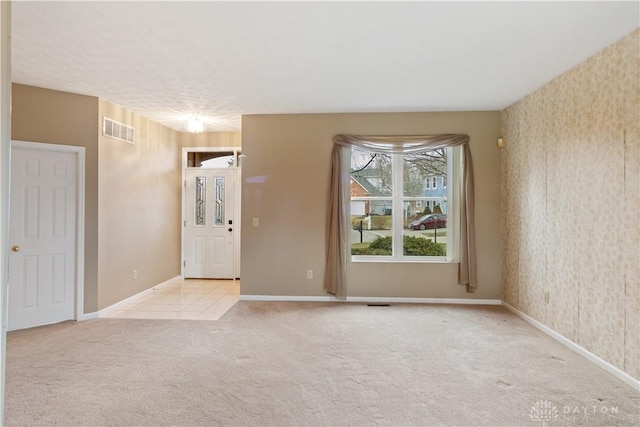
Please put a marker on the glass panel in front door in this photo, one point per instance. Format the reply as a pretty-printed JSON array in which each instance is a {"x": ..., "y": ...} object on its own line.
[
  {"x": 200, "y": 200},
  {"x": 219, "y": 200}
]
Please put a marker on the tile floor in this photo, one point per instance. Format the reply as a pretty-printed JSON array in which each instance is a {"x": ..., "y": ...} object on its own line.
[{"x": 188, "y": 299}]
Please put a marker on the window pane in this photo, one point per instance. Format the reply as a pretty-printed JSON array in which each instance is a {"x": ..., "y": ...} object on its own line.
[
  {"x": 370, "y": 174},
  {"x": 200, "y": 200},
  {"x": 424, "y": 234},
  {"x": 211, "y": 160},
  {"x": 421, "y": 180},
  {"x": 424, "y": 174},
  {"x": 219, "y": 201},
  {"x": 371, "y": 230},
  {"x": 219, "y": 162}
]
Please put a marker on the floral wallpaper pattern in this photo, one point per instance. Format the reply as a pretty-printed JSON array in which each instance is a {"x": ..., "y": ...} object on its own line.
[{"x": 571, "y": 204}]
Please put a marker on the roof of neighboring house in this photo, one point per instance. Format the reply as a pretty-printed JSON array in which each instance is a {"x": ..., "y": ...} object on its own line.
[{"x": 364, "y": 183}]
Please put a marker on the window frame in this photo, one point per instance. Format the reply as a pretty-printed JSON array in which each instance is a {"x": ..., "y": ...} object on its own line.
[{"x": 453, "y": 187}]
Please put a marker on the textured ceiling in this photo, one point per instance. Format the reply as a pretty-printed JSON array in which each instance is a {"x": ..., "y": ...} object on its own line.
[{"x": 167, "y": 60}]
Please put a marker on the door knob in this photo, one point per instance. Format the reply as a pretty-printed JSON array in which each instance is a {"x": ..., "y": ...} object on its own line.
[
  {"x": 15, "y": 248},
  {"x": 230, "y": 229}
]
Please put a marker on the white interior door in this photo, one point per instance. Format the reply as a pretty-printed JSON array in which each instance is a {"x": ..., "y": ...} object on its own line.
[
  {"x": 209, "y": 223},
  {"x": 42, "y": 235}
]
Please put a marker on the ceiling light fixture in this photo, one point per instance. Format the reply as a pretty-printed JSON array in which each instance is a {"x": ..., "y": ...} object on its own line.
[{"x": 195, "y": 125}]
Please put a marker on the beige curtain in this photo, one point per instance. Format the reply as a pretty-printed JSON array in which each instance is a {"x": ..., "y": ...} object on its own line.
[{"x": 337, "y": 215}]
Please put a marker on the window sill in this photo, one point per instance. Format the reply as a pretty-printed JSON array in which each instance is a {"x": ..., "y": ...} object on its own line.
[{"x": 403, "y": 261}]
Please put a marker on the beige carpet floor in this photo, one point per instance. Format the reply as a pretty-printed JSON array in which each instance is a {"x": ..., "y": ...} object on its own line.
[{"x": 309, "y": 364}]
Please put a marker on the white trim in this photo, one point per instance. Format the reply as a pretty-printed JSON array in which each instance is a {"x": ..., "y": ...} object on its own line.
[
  {"x": 410, "y": 300},
  {"x": 287, "y": 298},
  {"x": 88, "y": 316},
  {"x": 396, "y": 300},
  {"x": 454, "y": 172},
  {"x": 5, "y": 167},
  {"x": 415, "y": 260},
  {"x": 237, "y": 225},
  {"x": 617, "y": 372},
  {"x": 132, "y": 298},
  {"x": 80, "y": 210},
  {"x": 80, "y": 225}
]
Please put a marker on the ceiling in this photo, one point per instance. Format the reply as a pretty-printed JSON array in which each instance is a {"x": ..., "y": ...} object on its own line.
[{"x": 220, "y": 60}]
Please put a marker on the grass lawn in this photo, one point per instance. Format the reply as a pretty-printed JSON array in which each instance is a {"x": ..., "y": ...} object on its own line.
[
  {"x": 360, "y": 245},
  {"x": 429, "y": 233}
]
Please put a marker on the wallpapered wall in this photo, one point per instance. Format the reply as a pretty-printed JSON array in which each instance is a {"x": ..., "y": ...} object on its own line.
[{"x": 570, "y": 204}]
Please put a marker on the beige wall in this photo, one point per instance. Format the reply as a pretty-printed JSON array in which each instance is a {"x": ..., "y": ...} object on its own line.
[
  {"x": 42, "y": 115},
  {"x": 140, "y": 207},
  {"x": 210, "y": 139},
  {"x": 571, "y": 204},
  {"x": 285, "y": 185}
]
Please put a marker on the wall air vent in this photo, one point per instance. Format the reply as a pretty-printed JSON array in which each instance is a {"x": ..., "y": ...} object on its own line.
[{"x": 118, "y": 130}]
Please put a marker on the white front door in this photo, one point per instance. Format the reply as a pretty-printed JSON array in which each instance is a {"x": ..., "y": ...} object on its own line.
[
  {"x": 209, "y": 223},
  {"x": 42, "y": 235}
]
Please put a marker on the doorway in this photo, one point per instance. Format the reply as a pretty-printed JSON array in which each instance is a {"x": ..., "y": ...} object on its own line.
[
  {"x": 46, "y": 234},
  {"x": 211, "y": 212}
]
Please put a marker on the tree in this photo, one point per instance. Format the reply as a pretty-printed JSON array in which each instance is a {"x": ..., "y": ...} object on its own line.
[
  {"x": 421, "y": 166},
  {"x": 429, "y": 163},
  {"x": 375, "y": 168}
]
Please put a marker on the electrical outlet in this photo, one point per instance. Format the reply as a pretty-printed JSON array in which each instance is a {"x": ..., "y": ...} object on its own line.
[
  {"x": 309, "y": 274},
  {"x": 134, "y": 275},
  {"x": 546, "y": 297}
]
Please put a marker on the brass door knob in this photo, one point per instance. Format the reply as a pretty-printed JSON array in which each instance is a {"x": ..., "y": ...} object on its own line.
[{"x": 15, "y": 248}]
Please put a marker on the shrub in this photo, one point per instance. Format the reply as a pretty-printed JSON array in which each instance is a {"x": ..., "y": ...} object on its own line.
[
  {"x": 383, "y": 243},
  {"x": 413, "y": 246},
  {"x": 369, "y": 251},
  {"x": 418, "y": 246},
  {"x": 437, "y": 209},
  {"x": 426, "y": 211}
]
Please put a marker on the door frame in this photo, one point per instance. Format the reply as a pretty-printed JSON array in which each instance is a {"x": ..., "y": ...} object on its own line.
[
  {"x": 5, "y": 166},
  {"x": 80, "y": 209},
  {"x": 237, "y": 195}
]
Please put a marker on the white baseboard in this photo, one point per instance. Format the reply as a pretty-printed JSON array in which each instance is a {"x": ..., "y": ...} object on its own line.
[
  {"x": 286, "y": 298},
  {"x": 403, "y": 300},
  {"x": 87, "y": 316},
  {"x": 114, "y": 307},
  {"x": 577, "y": 348},
  {"x": 377, "y": 300}
]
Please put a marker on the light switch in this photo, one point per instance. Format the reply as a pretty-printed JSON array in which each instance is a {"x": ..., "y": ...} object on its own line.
[{"x": 256, "y": 222}]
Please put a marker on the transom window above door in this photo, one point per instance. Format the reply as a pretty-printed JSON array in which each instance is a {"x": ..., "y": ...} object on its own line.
[{"x": 214, "y": 160}]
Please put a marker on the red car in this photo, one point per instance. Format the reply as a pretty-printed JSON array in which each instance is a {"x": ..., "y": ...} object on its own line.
[{"x": 429, "y": 221}]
